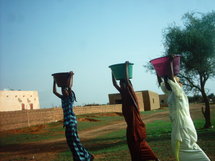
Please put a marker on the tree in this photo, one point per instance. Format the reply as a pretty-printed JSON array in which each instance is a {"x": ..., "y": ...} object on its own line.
[
  {"x": 211, "y": 98},
  {"x": 195, "y": 99},
  {"x": 195, "y": 42}
]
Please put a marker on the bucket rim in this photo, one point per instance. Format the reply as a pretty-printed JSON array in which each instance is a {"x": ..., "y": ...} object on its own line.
[
  {"x": 59, "y": 73},
  {"x": 120, "y": 64},
  {"x": 163, "y": 57}
]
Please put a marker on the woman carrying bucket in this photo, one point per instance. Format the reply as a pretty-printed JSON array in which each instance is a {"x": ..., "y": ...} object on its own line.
[
  {"x": 136, "y": 131},
  {"x": 70, "y": 123},
  {"x": 183, "y": 135}
]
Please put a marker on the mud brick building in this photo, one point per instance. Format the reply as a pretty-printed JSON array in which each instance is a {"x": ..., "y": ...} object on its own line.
[
  {"x": 18, "y": 100},
  {"x": 147, "y": 100},
  {"x": 163, "y": 100},
  {"x": 151, "y": 100}
]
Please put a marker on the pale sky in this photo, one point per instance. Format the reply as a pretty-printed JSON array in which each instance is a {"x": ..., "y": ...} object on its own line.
[{"x": 41, "y": 37}]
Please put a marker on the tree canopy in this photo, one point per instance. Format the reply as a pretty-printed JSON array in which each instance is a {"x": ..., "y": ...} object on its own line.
[{"x": 195, "y": 42}]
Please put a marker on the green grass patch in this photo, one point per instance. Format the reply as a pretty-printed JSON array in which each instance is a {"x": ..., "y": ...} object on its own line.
[
  {"x": 54, "y": 130},
  {"x": 113, "y": 146},
  {"x": 64, "y": 156},
  {"x": 158, "y": 128},
  {"x": 153, "y": 111},
  {"x": 25, "y": 135},
  {"x": 97, "y": 120}
]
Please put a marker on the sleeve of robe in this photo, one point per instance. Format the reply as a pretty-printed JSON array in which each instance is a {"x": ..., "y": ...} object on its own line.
[
  {"x": 176, "y": 89},
  {"x": 178, "y": 92}
]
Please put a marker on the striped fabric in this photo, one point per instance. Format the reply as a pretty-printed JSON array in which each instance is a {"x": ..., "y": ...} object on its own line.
[
  {"x": 70, "y": 122},
  {"x": 78, "y": 151},
  {"x": 67, "y": 105}
]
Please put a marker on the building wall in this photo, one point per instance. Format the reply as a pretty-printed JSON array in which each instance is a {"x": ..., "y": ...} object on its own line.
[
  {"x": 163, "y": 100},
  {"x": 147, "y": 100},
  {"x": 19, "y": 119},
  {"x": 147, "y": 103},
  {"x": 154, "y": 99},
  {"x": 151, "y": 100},
  {"x": 18, "y": 100},
  {"x": 140, "y": 100},
  {"x": 115, "y": 98}
]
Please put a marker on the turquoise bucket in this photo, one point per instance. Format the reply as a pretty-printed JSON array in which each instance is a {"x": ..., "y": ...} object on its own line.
[{"x": 119, "y": 70}]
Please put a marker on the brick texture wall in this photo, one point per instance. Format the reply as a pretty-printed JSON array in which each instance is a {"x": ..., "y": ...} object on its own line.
[{"x": 19, "y": 119}]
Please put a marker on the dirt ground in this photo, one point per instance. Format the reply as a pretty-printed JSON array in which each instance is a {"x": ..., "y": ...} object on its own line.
[{"x": 48, "y": 149}]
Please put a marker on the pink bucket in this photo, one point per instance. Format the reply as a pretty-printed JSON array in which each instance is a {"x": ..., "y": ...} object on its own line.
[{"x": 162, "y": 65}]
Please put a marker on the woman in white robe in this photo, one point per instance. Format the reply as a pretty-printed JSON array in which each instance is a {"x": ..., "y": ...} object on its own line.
[{"x": 183, "y": 135}]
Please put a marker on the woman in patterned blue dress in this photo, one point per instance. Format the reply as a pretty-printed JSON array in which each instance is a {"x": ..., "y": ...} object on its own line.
[{"x": 70, "y": 123}]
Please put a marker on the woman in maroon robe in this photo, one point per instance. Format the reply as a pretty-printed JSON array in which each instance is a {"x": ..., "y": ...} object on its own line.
[{"x": 136, "y": 131}]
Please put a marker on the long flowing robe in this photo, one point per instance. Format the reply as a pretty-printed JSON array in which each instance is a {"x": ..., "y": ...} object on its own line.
[
  {"x": 136, "y": 131},
  {"x": 72, "y": 138},
  {"x": 183, "y": 129}
]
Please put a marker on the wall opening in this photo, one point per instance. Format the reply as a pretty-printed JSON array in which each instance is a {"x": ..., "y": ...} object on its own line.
[
  {"x": 31, "y": 106},
  {"x": 23, "y": 106}
]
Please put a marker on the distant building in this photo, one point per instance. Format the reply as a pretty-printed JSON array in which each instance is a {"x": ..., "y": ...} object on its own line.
[
  {"x": 115, "y": 98},
  {"x": 147, "y": 100},
  {"x": 151, "y": 100},
  {"x": 163, "y": 100},
  {"x": 18, "y": 100}
]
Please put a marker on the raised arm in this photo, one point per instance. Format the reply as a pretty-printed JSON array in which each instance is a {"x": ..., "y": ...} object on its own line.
[
  {"x": 115, "y": 83},
  {"x": 171, "y": 68},
  {"x": 127, "y": 81},
  {"x": 171, "y": 76},
  {"x": 55, "y": 91},
  {"x": 176, "y": 89},
  {"x": 126, "y": 73}
]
